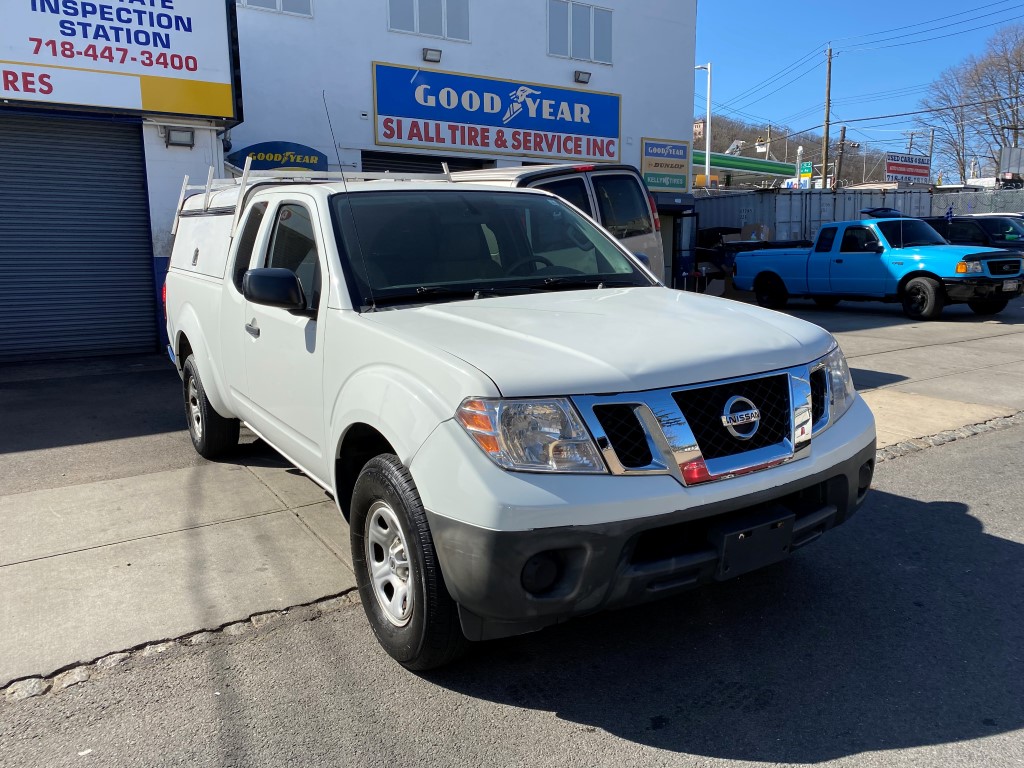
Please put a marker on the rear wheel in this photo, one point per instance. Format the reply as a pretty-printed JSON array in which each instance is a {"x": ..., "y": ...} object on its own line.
[
  {"x": 923, "y": 299},
  {"x": 770, "y": 292},
  {"x": 988, "y": 306},
  {"x": 211, "y": 433},
  {"x": 400, "y": 581}
]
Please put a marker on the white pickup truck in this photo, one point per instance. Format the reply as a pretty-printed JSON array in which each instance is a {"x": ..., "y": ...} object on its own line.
[{"x": 519, "y": 422}]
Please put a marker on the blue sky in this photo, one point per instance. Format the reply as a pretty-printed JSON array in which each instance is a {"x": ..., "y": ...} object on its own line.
[{"x": 769, "y": 64}]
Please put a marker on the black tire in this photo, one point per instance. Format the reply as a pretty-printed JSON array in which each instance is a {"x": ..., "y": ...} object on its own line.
[
  {"x": 987, "y": 306},
  {"x": 770, "y": 292},
  {"x": 826, "y": 302},
  {"x": 923, "y": 299},
  {"x": 422, "y": 631},
  {"x": 212, "y": 434}
]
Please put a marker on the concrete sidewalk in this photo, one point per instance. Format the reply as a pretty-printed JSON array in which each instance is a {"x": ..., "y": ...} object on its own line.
[
  {"x": 103, "y": 548},
  {"x": 114, "y": 533}
]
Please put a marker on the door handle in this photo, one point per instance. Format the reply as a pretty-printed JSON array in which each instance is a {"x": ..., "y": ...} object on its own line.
[
  {"x": 839, "y": 261},
  {"x": 252, "y": 330}
]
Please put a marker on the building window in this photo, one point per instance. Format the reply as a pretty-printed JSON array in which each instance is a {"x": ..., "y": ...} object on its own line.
[
  {"x": 579, "y": 31},
  {"x": 297, "y": 7},
  {"x": 435, "y": 18}
]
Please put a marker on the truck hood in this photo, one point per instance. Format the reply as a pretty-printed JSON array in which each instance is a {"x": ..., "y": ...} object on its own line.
[{"x": 608, "y": 340}]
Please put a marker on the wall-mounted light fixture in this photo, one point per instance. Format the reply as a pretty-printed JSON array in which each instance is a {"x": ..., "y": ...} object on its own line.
[
  {"x": 432, "y": 55},
  {"x": 179, "y": 137},
  {"x": 581, "y": 77}
]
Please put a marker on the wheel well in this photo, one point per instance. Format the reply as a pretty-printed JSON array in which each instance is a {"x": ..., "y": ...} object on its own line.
[
  {"x": 183, "y": 351},
  {"x": 360, "y": 444},
  {"x": 763, "y": 276},
  {"x": 911, "y": 275}
]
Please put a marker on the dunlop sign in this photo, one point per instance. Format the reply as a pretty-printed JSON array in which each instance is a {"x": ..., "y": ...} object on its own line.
[
  {"x": 908, "y": 167},
  {"x": 137, "y": 56},
  {"x": 427, "y": 109},
  {"x": 665, "y": 165}
]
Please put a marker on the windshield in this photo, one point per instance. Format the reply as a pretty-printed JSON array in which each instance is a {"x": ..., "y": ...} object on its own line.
[
  {"x": 440, "y": 245},
  {"x": 1002, "y": 229},
  {"x": 907, "y": 233}
]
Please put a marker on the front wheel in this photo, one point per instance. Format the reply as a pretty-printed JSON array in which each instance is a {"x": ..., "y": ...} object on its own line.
[
  {"x": 988, "y": 306},
  {"x": 923, "y": 299},
  {"x": 211, "y": 433},
  {"x": 400, "y": 581}
]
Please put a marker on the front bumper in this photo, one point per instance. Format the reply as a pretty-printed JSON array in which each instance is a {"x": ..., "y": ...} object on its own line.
[
  {"x": 610, "y": 539},
  {"x": 968, "y": 288}
]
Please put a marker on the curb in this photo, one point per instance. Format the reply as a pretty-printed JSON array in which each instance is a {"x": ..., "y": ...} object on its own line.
[
  {"x": 919, "y": 444},
  {"x": 75, "y": 674}
]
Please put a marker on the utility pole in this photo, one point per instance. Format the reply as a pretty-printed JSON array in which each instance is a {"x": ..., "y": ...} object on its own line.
[
  {"x": 931, "y": 150},
  {"x": 828, "y": 114},
  {"x": 839, "y": 162},
  {"x": 910, "y": 144}
]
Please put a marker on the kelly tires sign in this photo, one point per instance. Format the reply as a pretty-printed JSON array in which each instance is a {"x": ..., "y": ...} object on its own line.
[
  {"x": 427, "y": 109},
  {"x": 908, "y": 168},
  {"x": 665, "y": 165},
  {"x": 139, "y": 56}
]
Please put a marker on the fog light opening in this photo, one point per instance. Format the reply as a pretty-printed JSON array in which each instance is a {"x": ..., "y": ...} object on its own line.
[
  {"x": 867, "y": 471},
  {"x": 541, "y": 572}
]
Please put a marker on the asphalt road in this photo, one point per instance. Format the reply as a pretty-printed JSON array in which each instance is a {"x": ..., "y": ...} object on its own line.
[{"x": 896, "y": 640}]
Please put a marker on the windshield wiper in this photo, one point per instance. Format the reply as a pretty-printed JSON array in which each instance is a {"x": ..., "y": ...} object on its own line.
[
  {"x": 431, "y": 293},
  {"x": 571, "y": 283}
]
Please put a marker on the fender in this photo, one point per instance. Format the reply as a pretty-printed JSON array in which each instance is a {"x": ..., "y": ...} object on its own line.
[
  {"x": 402, "y": 407},
  {"x": 188, "y": 325}
]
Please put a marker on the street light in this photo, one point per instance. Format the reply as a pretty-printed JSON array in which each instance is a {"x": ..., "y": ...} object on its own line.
[{"x": 707, "y": 129}]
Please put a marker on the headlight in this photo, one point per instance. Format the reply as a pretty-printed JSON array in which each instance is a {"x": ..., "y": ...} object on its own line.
[
  {"x": 531, "y": 435},
  {"x": 966, "y": 267},
  {"x": 841, "y": 391}
]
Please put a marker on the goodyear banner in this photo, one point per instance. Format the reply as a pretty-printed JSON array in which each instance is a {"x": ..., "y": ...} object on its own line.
[
  {"x": 427, "y": 109},
  {"x": 665, "y": 165},
  {"x": 279, "y": 155},
  {"x": 137, "y": 56}
]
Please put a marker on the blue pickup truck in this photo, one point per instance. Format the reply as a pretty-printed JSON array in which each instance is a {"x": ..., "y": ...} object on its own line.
[{"x": 902, "y": 260}]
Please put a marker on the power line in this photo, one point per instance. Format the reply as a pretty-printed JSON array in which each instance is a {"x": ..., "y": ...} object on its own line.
[
  {"x": 972, "y": 13},
  {"x": 781, "y": 73},
  {"x": 927, "y": 39}
]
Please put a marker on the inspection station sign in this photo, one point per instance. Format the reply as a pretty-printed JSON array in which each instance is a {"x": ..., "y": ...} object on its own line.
[
  {"x": 908, "y": 168},
  {"x": 427, "y": 109},
  {"x": 665, "y": 165},
  {"x": 139, "y": 56}
]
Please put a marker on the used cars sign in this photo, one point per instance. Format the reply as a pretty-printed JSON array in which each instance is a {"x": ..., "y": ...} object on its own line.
[{"x": 443, "y": 110}]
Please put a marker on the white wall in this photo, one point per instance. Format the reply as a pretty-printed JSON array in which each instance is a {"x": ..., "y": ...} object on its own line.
[
  {"x": 166, "y": 168},
  {"x": 289, "y": 61}
]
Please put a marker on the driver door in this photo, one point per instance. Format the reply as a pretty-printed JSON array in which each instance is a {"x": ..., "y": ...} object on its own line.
[
  {"x": 858, "y": 269},
  {"x": 284, "y": 351}
]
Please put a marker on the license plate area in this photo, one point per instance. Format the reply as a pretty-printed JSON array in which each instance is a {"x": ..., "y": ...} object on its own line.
[
  {"x": 1010, "y": 285},
  {"x": 758, "y": 543}
]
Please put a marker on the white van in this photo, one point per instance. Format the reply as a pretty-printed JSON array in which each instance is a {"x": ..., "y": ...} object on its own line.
[{"x": 615, "y": 196}]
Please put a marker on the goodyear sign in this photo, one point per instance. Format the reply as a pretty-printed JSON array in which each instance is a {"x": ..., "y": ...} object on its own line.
[
  {"x": 427, "y": 109},
  {"x": 279, "y": 155},
  {"x": 665, "y": 165},
  {"x": 137, "y": 56}
]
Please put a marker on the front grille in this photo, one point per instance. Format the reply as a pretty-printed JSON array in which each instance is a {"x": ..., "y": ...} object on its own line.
[
  {"x": 703, "y": 408},
  {"x": 626, "y": 434},
  {"x": 819, "y": 394},
  {"x": 1004, "y": 266}
]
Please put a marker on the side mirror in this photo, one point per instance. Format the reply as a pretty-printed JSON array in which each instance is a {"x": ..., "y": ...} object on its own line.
[
  {"x": 274, "y": 288},
  {"x": 874, "y": 248},
  {"x": 644, "y": 259}
]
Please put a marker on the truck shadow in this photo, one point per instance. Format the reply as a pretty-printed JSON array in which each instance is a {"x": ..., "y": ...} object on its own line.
[
  {"x": 866, "y": 315},
  {"x": 901, "y": 629}
]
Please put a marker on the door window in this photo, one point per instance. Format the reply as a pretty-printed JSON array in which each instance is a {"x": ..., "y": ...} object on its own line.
[
  {"x": 966, "y": 232},
  {"x": 623, "y": 205},
  {"x": 857, "y": 240},
  {"x": 293, "y": 247},
  {"x": 574, "y": 190}
]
